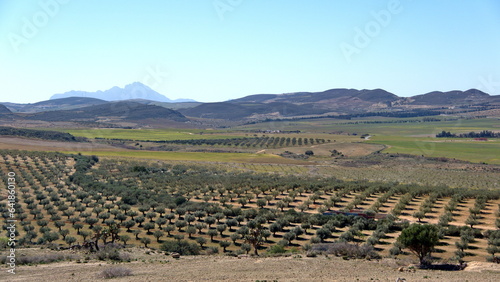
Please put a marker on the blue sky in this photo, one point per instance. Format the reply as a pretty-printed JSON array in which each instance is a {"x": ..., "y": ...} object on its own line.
[{"x": 215, "y": 50}]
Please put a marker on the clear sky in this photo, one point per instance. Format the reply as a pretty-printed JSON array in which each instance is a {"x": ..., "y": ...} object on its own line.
[{"x": 215, "y": 50}]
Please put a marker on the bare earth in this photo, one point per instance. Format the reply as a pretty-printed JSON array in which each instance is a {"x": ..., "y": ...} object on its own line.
[{"x": 222, "y": 268}]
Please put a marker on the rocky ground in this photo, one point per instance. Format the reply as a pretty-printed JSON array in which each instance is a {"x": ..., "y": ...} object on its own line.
[{"x": 157, "y": 266}]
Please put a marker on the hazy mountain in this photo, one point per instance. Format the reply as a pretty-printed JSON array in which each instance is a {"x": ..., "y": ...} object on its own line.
[{"x": 135, "y": 90}]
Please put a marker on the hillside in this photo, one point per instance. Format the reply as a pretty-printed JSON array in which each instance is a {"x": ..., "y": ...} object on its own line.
[
  {"x": 134, "y": 90},
  {"x": 294, "y": 104},
  {"x": 339, "y": 101},
  {"x": 114, "y": 110},
  {"x": 232, "y": 111},
  {"x": 56, "y": 104},
  {"x": 376, "y": 95},
  {"x": 221, "y": 110},
  {"x": 168, "y": 105},
  {"x": 4, "y": 110},
  {"x": 451, "y": 98},
  {"x": 38, "y": 134}
]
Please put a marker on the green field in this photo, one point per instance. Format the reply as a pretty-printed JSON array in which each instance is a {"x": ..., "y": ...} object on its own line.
[
  {"x": 150, "y": 134},
  {"x": 475, "y": 151},
  {"x": 396, "y": 128},
  {"x": 195, "y": 156},
  {"x": 416, "y": 138}
]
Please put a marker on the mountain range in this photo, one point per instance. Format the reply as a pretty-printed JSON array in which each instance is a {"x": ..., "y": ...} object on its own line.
[
  {"x": 335, "y": 102},
  {"x": 131, "y": 91},
  {"x": 342, "y": 103}
]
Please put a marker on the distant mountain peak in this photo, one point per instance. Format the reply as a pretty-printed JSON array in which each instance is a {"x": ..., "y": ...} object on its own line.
[
  {"x": 133, "y": 91},
  {"x": 136, "y": 83}
]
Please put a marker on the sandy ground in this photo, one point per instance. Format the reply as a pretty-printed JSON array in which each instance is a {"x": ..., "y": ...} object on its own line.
[{"x": 221, "y": 268}]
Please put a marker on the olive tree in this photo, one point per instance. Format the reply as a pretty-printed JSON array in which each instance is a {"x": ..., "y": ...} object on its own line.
[{"x": 420, "y": 239}]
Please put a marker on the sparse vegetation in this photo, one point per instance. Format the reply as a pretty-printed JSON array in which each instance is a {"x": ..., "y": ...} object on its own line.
[
  {"x": 115, "y": 272},
  {"x": 346, "y": 250}
]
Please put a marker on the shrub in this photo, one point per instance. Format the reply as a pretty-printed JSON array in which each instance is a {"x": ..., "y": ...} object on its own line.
[
  {"x": 315, "y": 240},
  {"x": 307, "y": 247},
  {"x": 110, "y": 252},
  {"x": 212, "y": 250},
  {"x": 115, "y": 271},
  {"x": 309, "y": 153},
  {"x": 182, "y": 247},
  {"x": 276, "y": 249},
  {"x": 3, "y": 243},
  {"x": 343, "y": 249},
  {"x": 39, "y": 259},
  {"x": 394, "y": 251}
]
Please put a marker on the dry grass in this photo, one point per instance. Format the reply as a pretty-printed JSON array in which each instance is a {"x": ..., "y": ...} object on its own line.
[
  {"x": 115, "y": 272},
  {"x": 158, "y": 267}
]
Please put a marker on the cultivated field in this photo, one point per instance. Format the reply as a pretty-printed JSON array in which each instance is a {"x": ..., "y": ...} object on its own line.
[
  {"x": 315, "y": 182},
  {"x": 63, "y": 198},
  {"x": 411, "y": 136},
  {"x": 150, "y": 134}
]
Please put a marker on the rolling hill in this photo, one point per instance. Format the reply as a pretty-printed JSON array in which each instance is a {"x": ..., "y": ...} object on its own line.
[
  {"x": 295, "y": 104},
  {"x": 451, "y": 98},
  {"x": 56, "y": 105},
  {"x": 234, "y": 111},
  {"x": 117, "y": 111},
  {"x": 336, "y": 101},
  {"x": 4, "y": 110},
  {"x": 376, "y": 95}
]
